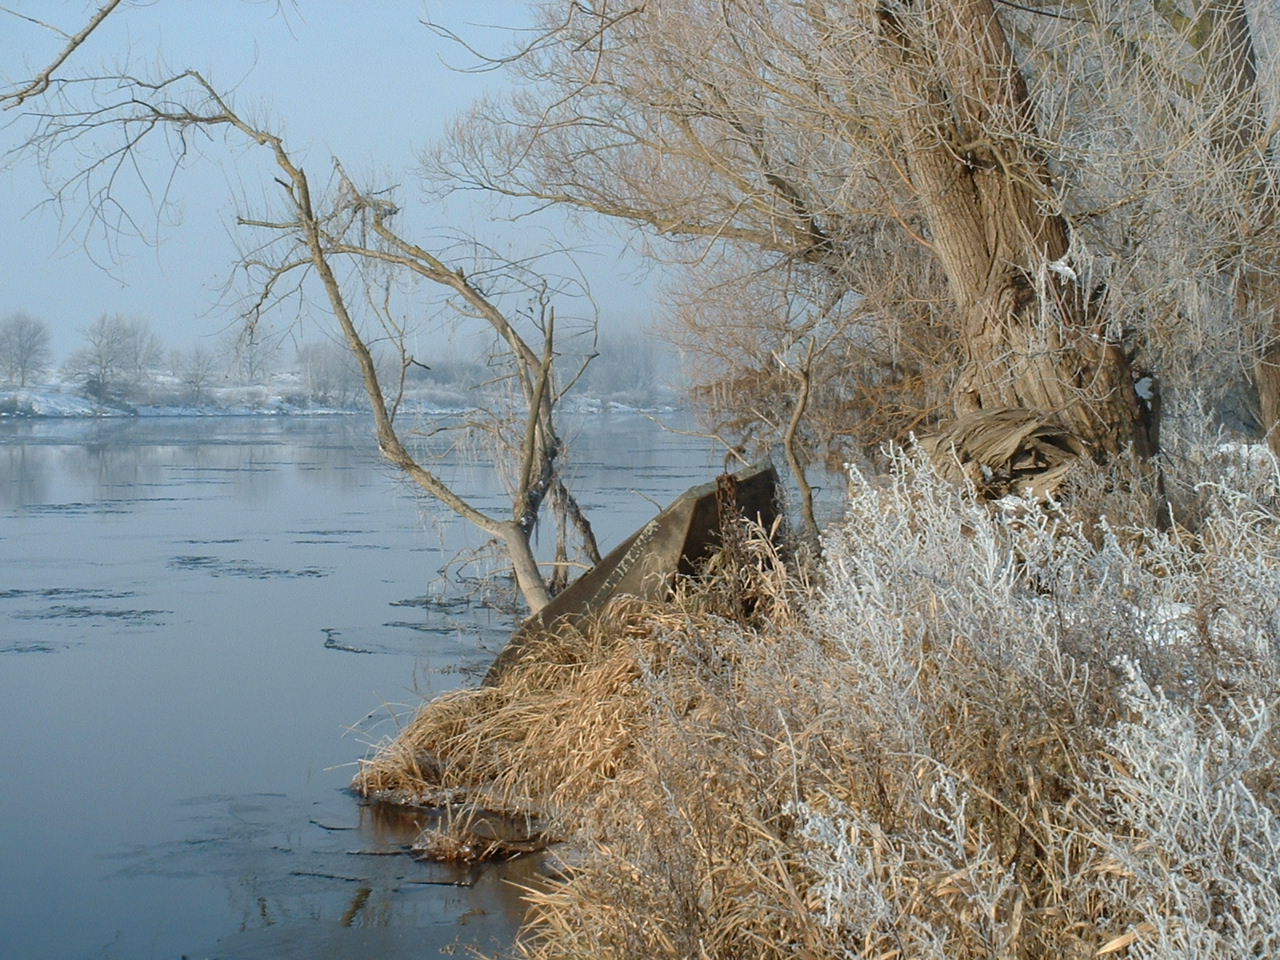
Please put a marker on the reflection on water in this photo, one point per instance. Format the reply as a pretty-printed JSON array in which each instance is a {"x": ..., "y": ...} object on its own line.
[
  {"x": 26, "y": 476},
  {"x": 298, "y": 884},
  {"x": 202, "y": 624}
]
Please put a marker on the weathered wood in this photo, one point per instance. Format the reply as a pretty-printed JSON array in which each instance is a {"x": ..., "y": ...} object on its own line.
[
  {"x": 1031, "y": 337},
  {"x": 646, "y": 564},
  {"x": 1010, "y": 450}
]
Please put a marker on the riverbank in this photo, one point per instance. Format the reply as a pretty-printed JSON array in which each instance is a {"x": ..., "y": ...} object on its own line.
[{"x": 974, "y": 731}]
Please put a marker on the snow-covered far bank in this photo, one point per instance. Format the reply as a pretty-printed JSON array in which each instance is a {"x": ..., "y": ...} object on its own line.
[
  {"x": 52, "y": 402},
  {"x": 598, "y": 405},
  {"x": 43, "y": 403}
]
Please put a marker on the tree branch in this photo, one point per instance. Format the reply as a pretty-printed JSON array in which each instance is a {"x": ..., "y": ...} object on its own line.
[{"x": 42, "y": 80}]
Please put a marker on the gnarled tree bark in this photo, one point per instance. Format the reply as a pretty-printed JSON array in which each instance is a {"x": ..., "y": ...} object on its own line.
[{"x": 1030, "y": 337}]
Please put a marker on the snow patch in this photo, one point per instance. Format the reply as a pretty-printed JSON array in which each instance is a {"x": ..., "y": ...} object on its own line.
[{"x": 41, "y": 403}]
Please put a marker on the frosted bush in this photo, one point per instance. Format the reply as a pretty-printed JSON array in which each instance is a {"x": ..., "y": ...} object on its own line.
[
  {"x": 861, "y": 868},
  {"x": 1014, "y": 731},
  {"x": 1198, "y": 844},
  {"x": 838, "y": 849},
  {"x": 969, "y": 638}
]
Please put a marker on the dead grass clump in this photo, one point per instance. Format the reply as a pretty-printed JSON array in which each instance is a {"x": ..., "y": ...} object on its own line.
[
  {"x": 555, "y": 733},
  {"x": 567, "y": 703},
  {"x": 470, "y": 832}
]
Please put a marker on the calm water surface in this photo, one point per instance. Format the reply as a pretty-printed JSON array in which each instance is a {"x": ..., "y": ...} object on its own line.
[{"x": 203, "y": 623}]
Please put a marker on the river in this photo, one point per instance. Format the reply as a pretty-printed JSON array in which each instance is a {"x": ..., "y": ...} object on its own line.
[{"x": 204, "y": 623}]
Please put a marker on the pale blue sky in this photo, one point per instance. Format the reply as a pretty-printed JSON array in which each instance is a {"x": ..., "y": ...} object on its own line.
[{"x": 363, "y": 80}]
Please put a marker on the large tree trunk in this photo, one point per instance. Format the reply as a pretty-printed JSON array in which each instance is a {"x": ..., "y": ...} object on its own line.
[
  {"x": 1266, "y": 377},
  {"x": 1030, "y": 338},
  {"x": 1247, "y": 46}
]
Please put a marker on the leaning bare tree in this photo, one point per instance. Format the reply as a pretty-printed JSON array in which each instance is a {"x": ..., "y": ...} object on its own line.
[{"x": 314, "y": 234}]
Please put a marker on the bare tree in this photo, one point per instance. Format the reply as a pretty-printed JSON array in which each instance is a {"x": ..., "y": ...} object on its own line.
[
  {"x": 875, "y": 147},
  {"x": 1031, "y": 336},
  {"x": 630, "y": 368},
  {"x": 143, "y": 350},
  {"x": 350, "y": 224},
  {"x": 116, "y": 358},
  {"x": 251, "y": 354},
  {"x": 303, "y": 241},
  {"x": 197, "y": 371},
  {"x": 103, "y": 364},
  {"x": 953, "y": 205},
  {"x": 1163, "y": 153},
  {"x": 24, "y": 348},
  {"x": 39, "y": 84},
  {"x": 701, "y": 127},
  {"x": 330, "y": 374}
]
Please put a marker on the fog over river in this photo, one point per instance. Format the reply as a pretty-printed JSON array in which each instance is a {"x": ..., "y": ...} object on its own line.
[{"x": 203, "y": 623}]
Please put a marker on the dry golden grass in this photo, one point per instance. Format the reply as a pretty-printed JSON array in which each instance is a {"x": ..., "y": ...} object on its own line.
[{"x": 566, "y": 703}]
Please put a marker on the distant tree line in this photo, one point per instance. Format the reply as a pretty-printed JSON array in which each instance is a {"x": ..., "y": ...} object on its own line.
[{"x": 121, "y": 359}]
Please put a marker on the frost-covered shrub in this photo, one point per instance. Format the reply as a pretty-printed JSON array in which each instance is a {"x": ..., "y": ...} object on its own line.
[
  {"x": 1046, "y": 802},
  {"x": 1015, "y": 731},
  {"x": 1193, "y": 837}
]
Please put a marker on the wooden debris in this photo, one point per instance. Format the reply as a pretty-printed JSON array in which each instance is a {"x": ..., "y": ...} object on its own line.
[
  {"x": 1003, "y": 451},
  {"x": 469, "y": 833},
  {"x": 646, "y": 564}
]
